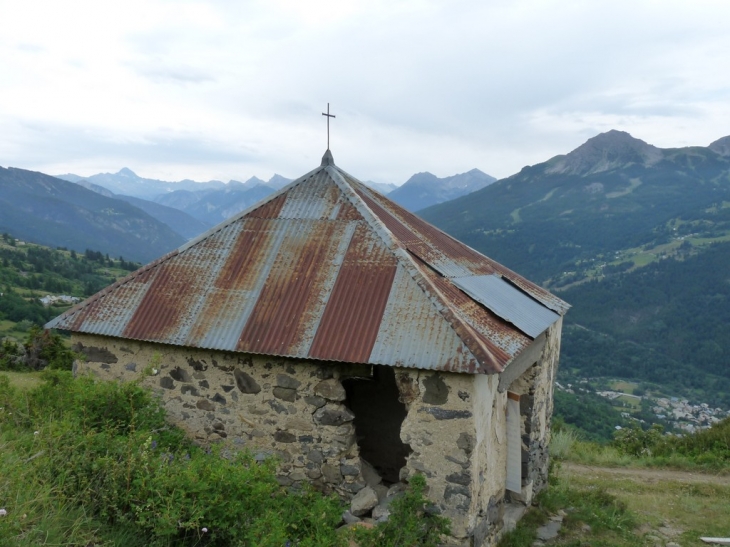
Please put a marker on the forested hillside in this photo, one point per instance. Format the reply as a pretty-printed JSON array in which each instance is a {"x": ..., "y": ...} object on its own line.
[
  {"x": 29, "y": 272},
  {"x": 611, "y": 195},
  {"x": 668, "y": 322}
]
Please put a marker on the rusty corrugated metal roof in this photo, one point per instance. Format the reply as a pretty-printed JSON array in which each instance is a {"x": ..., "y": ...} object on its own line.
[{"x": 327, "y": 269}]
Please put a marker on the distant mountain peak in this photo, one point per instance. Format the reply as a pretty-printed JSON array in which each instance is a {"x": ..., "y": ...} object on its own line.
[
  {"x": 253, "y": 181},
  {"x": 425, "y": 189},
  {"x": 127, "y": 172},
  {"x": 721, "y": 146},
  {"x": 605, "y": 151},
  {"x": 278, "y": 182}
]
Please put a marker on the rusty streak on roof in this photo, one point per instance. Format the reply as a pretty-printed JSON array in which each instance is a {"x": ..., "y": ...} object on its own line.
[{"x": 328, "y": 269}]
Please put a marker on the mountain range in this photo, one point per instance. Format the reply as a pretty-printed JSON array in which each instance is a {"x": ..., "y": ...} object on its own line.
[
  {"x": 613, "y": 194},
  {"x": 214, "y": 201},
  {"x": 139, "y": 218},
  {"x": 58, "y": 213},
  {"x": 637, "y": 238},
  {"x": 209, "y": 202}
]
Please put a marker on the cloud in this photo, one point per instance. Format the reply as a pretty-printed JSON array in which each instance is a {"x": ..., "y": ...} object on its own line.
[
  {"x": 175, "y": 74},
  {"x": 227, "y": 89}
]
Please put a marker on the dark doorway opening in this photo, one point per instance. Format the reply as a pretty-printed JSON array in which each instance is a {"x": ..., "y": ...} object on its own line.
[{"x": 379, "y": 415}]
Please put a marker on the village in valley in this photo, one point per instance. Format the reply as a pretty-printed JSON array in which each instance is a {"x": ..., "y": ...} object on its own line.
[{"x": 676, "y": 414}]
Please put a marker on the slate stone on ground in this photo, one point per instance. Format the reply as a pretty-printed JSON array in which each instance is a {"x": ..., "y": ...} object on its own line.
[
  {"x": 349, "y": 518},
  {"x": 550, "y": 530},
  {"x": 363, "y": 502}
]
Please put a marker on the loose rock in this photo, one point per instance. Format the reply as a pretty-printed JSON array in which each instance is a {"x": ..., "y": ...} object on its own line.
[{"x": 363, "y": 502}]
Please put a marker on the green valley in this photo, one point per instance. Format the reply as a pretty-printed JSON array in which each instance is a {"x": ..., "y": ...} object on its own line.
[{"x": 29, "y": 272}]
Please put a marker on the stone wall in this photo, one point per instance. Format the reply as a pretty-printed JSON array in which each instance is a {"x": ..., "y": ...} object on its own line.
[
  {"x": 490, "y": 464},
  {"x": 280, "y": 407},
  {"x": 295, "y": 410},
  {"x": 537, "y": 408}
]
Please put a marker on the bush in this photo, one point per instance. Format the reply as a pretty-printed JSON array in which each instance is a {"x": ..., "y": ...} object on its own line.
[
  {"x": 10, "y": 356},
  {"x": 46, "y": 349},
  {"x": 42, "y": 349},
  {"x": 635, "y": 441},
  {"x": 86, "y": 462},
  {"x": 709, "y": 446}
]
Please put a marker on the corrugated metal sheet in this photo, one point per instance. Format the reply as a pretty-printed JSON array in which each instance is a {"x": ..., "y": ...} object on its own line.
[
  {"x": 320, "y": 271},
  {"x": 413, "y": 326},
  {"x": 507, "y": 302},
  {"x": 449, "y": 257}
]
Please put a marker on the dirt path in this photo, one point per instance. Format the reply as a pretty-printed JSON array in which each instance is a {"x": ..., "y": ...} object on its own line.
[{"x": 644, "y": 475}]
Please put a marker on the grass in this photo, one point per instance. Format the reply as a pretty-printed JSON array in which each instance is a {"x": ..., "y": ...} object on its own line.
[
  {"x": 562, "y": 443},
  {"x": 85, "y": 462},
  {"x": 624, "y": 386},
  {"x": 667, "y": 509},
  {"x": 632, "y": 402},
  {"x": 23, "y": 380},
  {"x": 590, "y": 516},
  {"x": 10, "y": 329},
  {"x": 626, "y": 507}
]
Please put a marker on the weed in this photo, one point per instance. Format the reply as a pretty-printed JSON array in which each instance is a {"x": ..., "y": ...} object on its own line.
[{"x": 562, "y": 442}]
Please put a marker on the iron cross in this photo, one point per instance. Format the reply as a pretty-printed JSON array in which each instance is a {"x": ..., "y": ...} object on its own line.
[{"x": 328, "y": 123}]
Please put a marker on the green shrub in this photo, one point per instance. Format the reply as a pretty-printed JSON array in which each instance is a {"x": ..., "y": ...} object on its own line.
[
  {"x": 42, "y": 349},
  {"x": 86, "y": 462},
  {"x": 45, "y": 349},
  {"x": 709, "y": 446},
  {"x": 9, "y": 356},
  {"x": 636, "y": 441}
]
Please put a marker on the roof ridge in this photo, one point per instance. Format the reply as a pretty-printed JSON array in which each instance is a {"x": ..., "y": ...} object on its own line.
[{"x": 463, "y": 330}]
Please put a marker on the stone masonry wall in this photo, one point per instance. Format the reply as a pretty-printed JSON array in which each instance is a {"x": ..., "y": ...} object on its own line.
[
  {"x": 537, "y": 407},
  {"x": 291, "y": 409},
  {"x": 490, "y": 464}
]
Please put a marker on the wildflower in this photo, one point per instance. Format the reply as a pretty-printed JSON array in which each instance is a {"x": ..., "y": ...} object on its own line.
[
  {"x": 36, "y": 432},
  {"x": 153, "y": 445},
  {"x": 204, "y": 530},
  {"x": 154, "y": 371},
  {"x": 3, "y": 512}
]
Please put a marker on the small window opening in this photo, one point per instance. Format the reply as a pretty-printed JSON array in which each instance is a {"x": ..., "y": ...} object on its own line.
[{"x": 379, "y": 415}]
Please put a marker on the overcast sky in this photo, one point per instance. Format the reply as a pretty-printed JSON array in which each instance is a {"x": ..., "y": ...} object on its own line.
[{"x": 231, "y": 89}]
